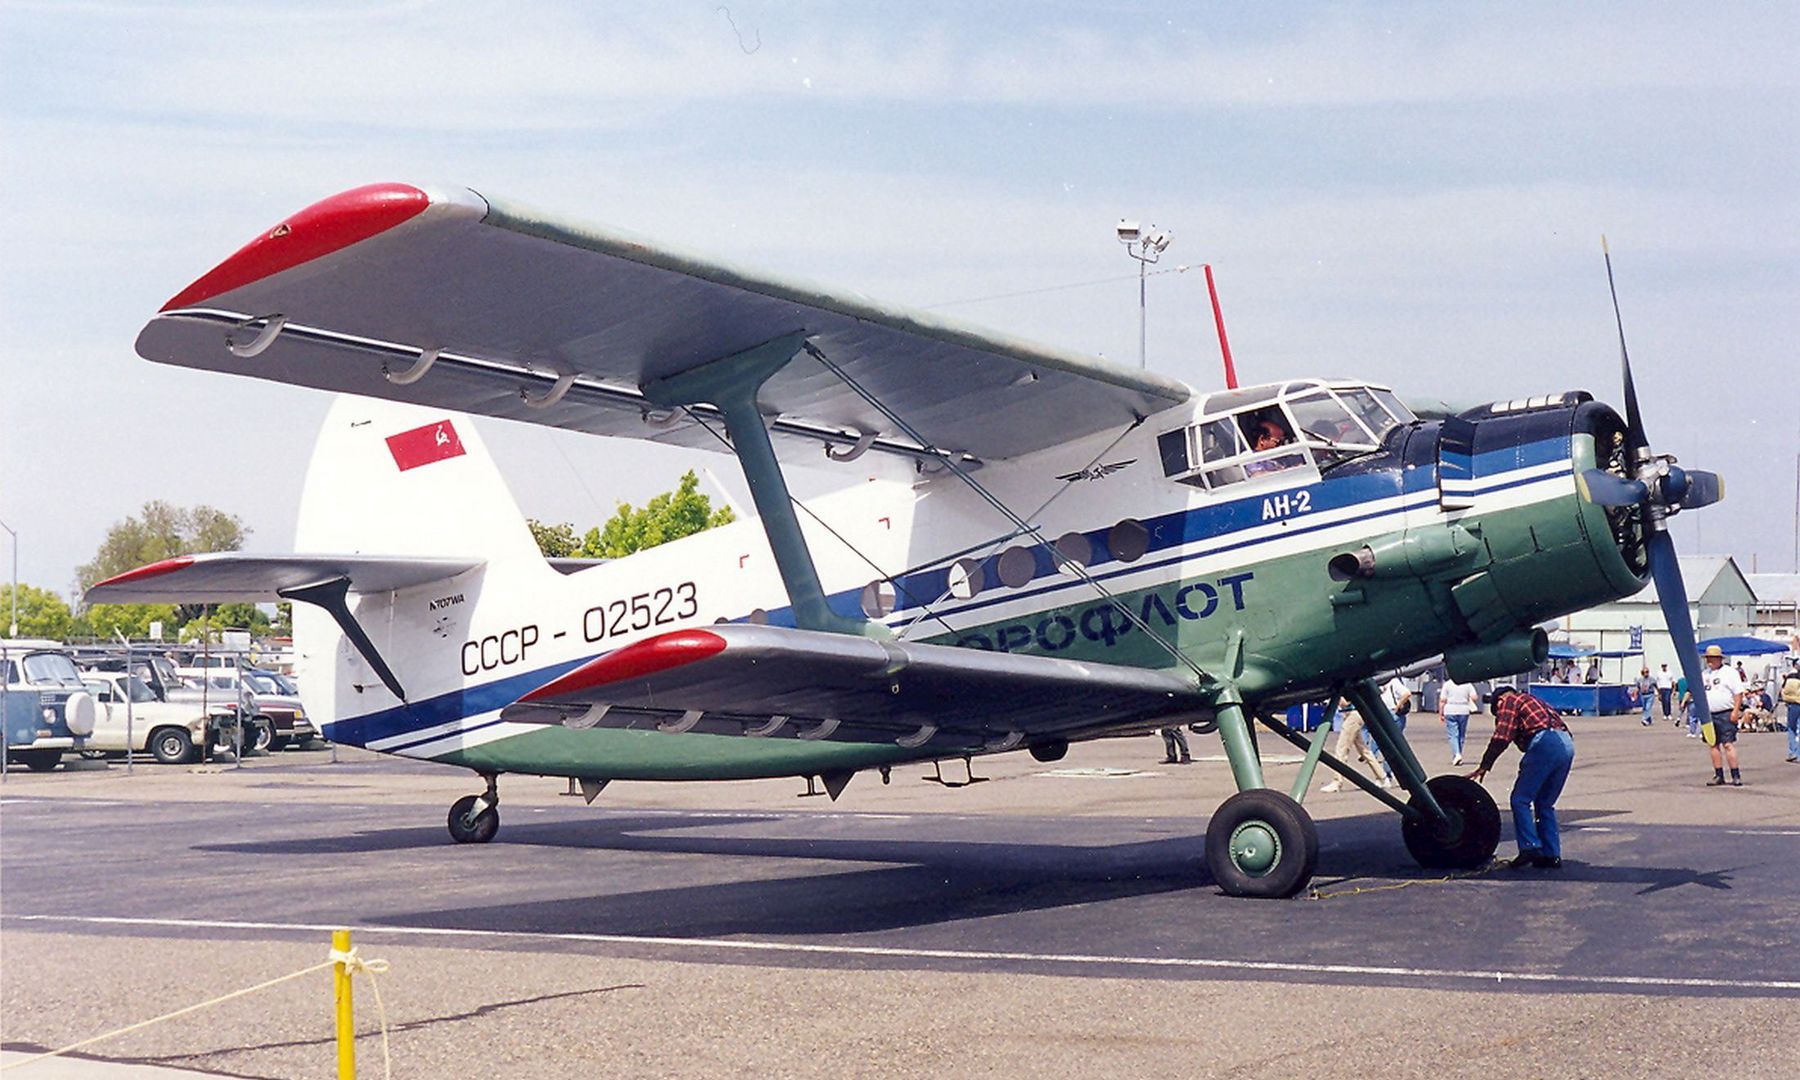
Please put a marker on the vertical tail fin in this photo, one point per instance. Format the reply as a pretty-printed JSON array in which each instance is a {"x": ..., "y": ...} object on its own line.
[{"x": 393, "y": 478}]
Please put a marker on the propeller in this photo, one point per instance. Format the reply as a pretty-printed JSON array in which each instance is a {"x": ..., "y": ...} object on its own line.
[{"x": 1662, "y": 489}]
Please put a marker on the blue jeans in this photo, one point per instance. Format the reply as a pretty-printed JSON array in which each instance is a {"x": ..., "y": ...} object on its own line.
[
  {"x": 1649, "y": 704},
  {"x": 1540, "y": 784},
  {"x": 1456, "y": 729},
  {"x": 1794, "y": 730}
]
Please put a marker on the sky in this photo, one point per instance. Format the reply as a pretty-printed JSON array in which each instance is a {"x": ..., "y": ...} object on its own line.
[{"x": 1408, "y": 193}]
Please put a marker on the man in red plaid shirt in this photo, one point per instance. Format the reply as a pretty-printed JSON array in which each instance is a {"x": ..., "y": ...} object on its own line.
[{"x": 1538, "y": 731}]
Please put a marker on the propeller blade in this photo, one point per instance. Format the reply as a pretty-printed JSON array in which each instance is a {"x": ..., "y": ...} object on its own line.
[
  {"x": 1671, "y": 594},
  {"x": 1704, "y": 489},
  {"x": 1604, "y": 489},
  {"x": 1634, "y": 420}
]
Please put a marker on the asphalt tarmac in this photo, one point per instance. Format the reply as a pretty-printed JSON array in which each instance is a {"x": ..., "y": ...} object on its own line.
[{"x": 1053, "y": 918}]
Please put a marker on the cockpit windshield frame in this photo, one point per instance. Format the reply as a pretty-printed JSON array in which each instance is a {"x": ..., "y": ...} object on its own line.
[{"x": 1262, "y": 432}]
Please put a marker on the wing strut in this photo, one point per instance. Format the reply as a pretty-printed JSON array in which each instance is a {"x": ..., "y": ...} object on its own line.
[
  {"x": 731, "y": 384},
  {"x": 330, "y": 595},
  {"x": 1024, "y": 528}
]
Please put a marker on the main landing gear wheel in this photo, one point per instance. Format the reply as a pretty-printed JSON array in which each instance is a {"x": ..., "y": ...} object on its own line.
[
  {"x": 1261, "y": 843},
  {"x": 1474, "y": 830},
  {"x": 470, "y": 825}
]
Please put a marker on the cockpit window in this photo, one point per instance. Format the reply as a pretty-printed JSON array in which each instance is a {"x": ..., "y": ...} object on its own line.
[{"x": 1264, "y": 430}]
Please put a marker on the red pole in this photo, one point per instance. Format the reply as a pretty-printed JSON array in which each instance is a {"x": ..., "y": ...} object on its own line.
[{"x": 1219, "y": 321}]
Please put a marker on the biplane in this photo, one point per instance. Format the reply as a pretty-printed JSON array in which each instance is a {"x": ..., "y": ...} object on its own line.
[{"x": 1032, "y": 547}]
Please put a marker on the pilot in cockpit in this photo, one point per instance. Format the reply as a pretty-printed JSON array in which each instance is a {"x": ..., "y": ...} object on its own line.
[{"x": 1270, "y": 433}]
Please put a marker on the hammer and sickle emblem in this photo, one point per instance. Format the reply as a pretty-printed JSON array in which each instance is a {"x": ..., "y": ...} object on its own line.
[{"x": 442, "y": 438}]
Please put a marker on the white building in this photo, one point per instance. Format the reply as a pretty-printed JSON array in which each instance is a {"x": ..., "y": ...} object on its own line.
[{"x": 1720, "y": 601}]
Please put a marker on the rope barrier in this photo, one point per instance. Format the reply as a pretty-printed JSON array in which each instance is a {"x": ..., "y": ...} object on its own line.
[
  {"x": 353, "y": 965},
  {"x": 1360, "y": 889}
]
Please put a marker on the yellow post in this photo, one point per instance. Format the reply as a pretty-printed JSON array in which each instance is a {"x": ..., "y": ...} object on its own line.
[{"x": 346, "y": 1011}]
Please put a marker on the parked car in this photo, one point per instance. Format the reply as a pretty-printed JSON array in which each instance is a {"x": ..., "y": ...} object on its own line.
[
  {"x": 277, "y": 700},
  {"x": 172, "y": 732},
  {"x": 47, "y": 707}
]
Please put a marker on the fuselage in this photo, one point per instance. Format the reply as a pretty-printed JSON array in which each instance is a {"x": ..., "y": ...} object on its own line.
[{"x": 1410, "y": 538}]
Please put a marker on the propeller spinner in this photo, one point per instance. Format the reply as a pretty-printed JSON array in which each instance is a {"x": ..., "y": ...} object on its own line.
[{"x": 1662, "y": 489}]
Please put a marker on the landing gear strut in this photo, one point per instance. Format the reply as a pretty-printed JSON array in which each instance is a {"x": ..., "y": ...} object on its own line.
[{"x": 474, "y": 819}]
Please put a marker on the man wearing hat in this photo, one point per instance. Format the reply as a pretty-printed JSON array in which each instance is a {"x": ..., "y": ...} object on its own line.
[
  {"x": 1537, "y": 729},
  {"x": 1725, "y": 701}
]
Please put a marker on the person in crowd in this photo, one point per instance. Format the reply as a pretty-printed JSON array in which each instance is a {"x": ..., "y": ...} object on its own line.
[
  {"x": 1175, "y": 746},
  {"x": 1722, "y": 695},
  {"x": 1790, "y": 696},
  {"x": 1645, "y": 688},
  {"x": 1526, "y": 721},
  {"x": 1665, "y": 690},
  {"x": 1352, "y": 738},
  {"x": 1455, "y": 702}
]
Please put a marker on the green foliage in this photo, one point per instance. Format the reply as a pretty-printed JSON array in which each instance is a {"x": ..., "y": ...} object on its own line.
[
  {"x": 107, "y": 621},
  {"x": 227, "y": 617},
  {"x": 41, "y": 613},
  {"x": 669, "y": 516},
  {"x": 555, "y": 541},
  {"x": 162, "y": 532}
]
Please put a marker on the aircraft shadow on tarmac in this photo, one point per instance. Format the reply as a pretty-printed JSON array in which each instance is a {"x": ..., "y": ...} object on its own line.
[{"x": 918, "y": 880}]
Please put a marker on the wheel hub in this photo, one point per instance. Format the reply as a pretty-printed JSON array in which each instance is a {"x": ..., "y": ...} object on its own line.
[{"x": 1255, "y": 849}]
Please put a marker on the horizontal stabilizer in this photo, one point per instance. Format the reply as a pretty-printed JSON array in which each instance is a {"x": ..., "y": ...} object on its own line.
[
  {"x": 233, "y": 577},
  {"x": 767, "y": 681}
]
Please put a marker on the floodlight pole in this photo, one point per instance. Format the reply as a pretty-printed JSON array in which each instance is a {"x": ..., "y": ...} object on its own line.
[
  {"x": 1146, "y": 246},
  {"x": 13, "y": 631}
]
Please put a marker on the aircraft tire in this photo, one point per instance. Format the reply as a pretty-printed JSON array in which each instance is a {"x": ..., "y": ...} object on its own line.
[
  {"x": 1261, "y": 843},
  {"x": 1476, "y": 836},
  {"x": 478, "y": 829},
  {"x": 1049, "y": 751}
]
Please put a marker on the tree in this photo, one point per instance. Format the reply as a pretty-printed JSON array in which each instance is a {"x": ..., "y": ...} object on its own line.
[
  {"x": 162, "y": 532},
  {"x": 108, "y": 621},
  {"x": 226, "y": 617},
  {"x": 555, "y": 541},
  {"x": 42, "y": 613},
  {"x": 669, "y": 516}
]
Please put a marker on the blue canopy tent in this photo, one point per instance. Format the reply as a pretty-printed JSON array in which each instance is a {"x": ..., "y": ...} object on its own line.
[{"x": 1744, "y": 646}]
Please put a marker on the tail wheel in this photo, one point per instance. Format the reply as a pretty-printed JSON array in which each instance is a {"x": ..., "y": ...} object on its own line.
[
  {"x": 468, "y": 826},
  {"x": 1261, "y": 843},
  {"x": 1472, "y": 835}
]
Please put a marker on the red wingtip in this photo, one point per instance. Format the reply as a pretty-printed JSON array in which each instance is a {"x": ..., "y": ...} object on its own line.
[
  {"x": 155, "y": 569},
  {"x": 634, "y": 661},
  {"x": 320, "y": 229}
]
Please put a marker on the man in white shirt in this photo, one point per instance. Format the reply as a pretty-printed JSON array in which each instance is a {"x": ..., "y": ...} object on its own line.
[
  {"x": 1398, "y": 698},
  {"x": 1665, "y": 686},
  {"x": 1724, "y": 700},
  {"x": 1455, "y": 702}
]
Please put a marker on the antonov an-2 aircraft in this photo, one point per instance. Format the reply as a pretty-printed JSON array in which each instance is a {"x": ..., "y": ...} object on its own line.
[{"x": 1033, "y": 547}]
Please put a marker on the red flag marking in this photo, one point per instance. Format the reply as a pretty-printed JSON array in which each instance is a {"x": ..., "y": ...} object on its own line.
[{"x": 424, "y": 445}]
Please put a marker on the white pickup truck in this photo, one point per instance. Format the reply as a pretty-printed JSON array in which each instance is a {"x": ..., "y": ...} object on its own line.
[{"x": 172, "y": 731}]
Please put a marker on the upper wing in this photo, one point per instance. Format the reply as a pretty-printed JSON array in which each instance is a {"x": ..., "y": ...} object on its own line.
[
  {"x": 233, "y": 577},
  {"x": 771, "y": 681},
  {"x": 529, "y": 318}
]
